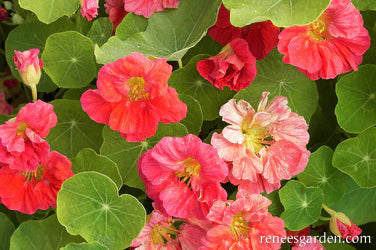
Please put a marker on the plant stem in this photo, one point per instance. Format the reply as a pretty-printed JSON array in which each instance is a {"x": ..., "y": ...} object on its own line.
[
  {"x": 324, "y": 218},
  {"x": 180, "y": 64},
  {"x": 34, "y": 92}
]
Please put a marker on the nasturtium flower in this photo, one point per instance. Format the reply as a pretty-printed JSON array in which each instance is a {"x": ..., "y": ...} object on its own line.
[
  {"x": 331, "y": 45},
  {"x": 183, "y": 175},
  {"x": 165, "y": 233},
  {"x": 264, "y": 146},
  {"x": 234, "y": 67},
  {"x": 28, "y": 191},
  {"x": 28, "y": 65},
  {"x": 147, "y": 7},
  {"x": 89, "y": 9},
  {"x": 5, "y": 107},
  {"x": 21, "y": 138},
  {"x": 115, "y": 10},
  {"x": 133, "y": 97},
  {"x": 261, "y": 37},
  {"x": 242, "y": 223}
]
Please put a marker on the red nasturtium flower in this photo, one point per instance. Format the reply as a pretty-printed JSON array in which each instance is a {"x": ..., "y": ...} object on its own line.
[
  {"x": 261, "y": 37},
  {"x": 147, "y": 7},
  {"x": 331, "y": 45},
  {"x": 234, "y": 66},
  {"x": 133, "y": 97},
  {"x": 115, "y": 10},
  {"x": 89, "y": 9},
  {"x": 28, "y": 191},
  {"x": 21, "y": 143}
]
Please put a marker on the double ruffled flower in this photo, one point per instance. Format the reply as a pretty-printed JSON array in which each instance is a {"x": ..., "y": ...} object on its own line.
[
  {"x": 264, "y": 146},
  {"x": 331, "y": 45},
  {"x": 133, "y": 97},
  {"x": 89, "y": 9},
  {"x": 147, "y": 7}
]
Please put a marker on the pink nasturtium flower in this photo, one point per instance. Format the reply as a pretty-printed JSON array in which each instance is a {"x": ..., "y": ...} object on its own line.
[
  {"x": 133, "y": 97},
  {"x": 30, "y": 68},
  {"x": 331, "y": 45},
  {"x": 21, "y": 139},
  {"x": 264, "y": 146},
  {"x": 147, "y": 7},
  {"x": 89, "y": 9},
  {"x": 233, "y": 67},
  {"x": 241, "y": 224},
  {"x": 183, "y": 175}
]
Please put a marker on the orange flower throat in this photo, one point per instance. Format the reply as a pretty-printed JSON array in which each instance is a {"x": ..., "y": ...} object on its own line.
[{"x": 137, "y": 89}]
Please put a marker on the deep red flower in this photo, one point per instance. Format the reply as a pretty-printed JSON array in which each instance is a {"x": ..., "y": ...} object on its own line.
[
  {"x": 21, "y": 143},
  {"x": 10, "y": 83},
  {"x": 28, "y": 191},
  {"x": 133, "y": 97},
  {"x": 147, "y": 7},
  {"x": 3, "y": 14},
  {"x": 115, "y": 10},
  {"x": 261, "y": 37},
  {"x": 331, "y": 45},
  {"x": 234, "y": 66},
  {"x": 5, "y": 107}
]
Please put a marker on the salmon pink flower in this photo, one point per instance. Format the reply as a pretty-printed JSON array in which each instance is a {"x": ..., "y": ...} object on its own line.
[
  {"x": 147, "y": 7},
  {"x": 28, "y": 191},
  {"x": 264, "y": 146},
  {"x": 133, "y": 96},
  {"x": 331, "y": 45},
  {"x": 234, "y": 66},
  {"x": 183, "y": 175},
  {"x": 161, "y": 233},
  {"x": 241, "y": 224},
  {"x": 5, "y": 108},
  {"x": 261, "y": 37},
  {"x": 89, "y": 9},
  {"x": 115, "y": 10},
  {"x": 21, "y": 143}
]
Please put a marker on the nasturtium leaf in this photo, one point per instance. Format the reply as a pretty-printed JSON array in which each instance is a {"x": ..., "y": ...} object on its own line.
[
  {"x": 84, "y": 246},
  {"x": 356, "y": 91},
  {"x": 281, "y": 79},
  {"x": 88, "y": 204},
  {"x": 357, "y": 158},
  {"x": 188, "y": 81},
  {"x": 130, "y": 25},
  {"x": 88, "y": 160},
  {"x": 68, "y": 59},
  {"x": 169, "y": 34},
  {"x": 283, "y": 13},
  {"x": 4, "y": 118},
  {"x": 193, "y": 120},
  {"x": 34, "y": 35},
  {"x": 302, "y": 205},
  {"x": 364, "y": 4},
  {"x": 320, "y": 173},
  {"x": 100, "y": 31},
  {"x": 126, "y": 154},
  {"x": 48, "y": 11},
  {"x": 6, "y": 230},
  {"x": 276, "y": 207},
  {"x": 75, "y": 94},
  {"x": 207, "y": 46},
  {"x": 74, "y": 130},
  {"x": 359, "y": 204},
  {"x": 45, "y": 234}
]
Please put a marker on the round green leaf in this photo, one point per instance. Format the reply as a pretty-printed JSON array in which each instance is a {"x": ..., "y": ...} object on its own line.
[
  {"x": 6, "y": 230},
  {"x": 302, "y": 205},
  {"x": 283, "y": 13},
  {"x": 88, "y": 160},
  {"x": 281, "y": 79},
  {"x": 34, "y": 35},
  {"x": 126, "y": 154},
  {"x": 100, "y": 31},
  {"x": 364, "y": 4},
  {"x": 359, "y": 204},
  {"x": 188, "y": 81},
  {"x": 320, "y": 173},
  {"x": 207, "y": 46},
  {"x": 357, "y": 158},
  {"x": 75, "y": 94},
  {"x": 84, "y": 246},
  {"x": 69, "y": 59},
  {"x": 48, "y": 11},
  {"x": 356, "y": 108},
  {"x": 130, "y": 25},
  {"x": 193, "y": 120},
  {"x": 45, "y": 234},
  {"x": 169, "y": 34},
  {"x": 88, "y": 204},
  {"x": 74, "y": 130},
  {"x": 276, "y": 207}
]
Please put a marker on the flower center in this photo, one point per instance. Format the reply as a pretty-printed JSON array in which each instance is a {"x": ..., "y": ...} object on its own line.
[
  {"x": 254, "y": 137},
  {"x": 239, "y": 227},
  {"x": 21, "y": 129},
  {"x": 161, "y": 234},
  {"x": 34, "y": 175},
  {"x": 191, "y": 168},
  {"x": 317, "y": 30},
  {"x": 137, "y": 89}
]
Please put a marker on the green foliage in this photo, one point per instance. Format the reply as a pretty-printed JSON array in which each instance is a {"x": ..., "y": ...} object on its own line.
[
  {"x": 100, "y": 31},
  {"x": 364, "y": 4},
  {"x": 193, "y": 120},
  {"x": 84, "y": 246},
  {"x": 6, "y": 230}
]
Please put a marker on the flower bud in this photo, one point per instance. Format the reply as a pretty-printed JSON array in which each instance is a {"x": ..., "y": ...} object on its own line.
[
  {"x": 342, "y": 226},
  {"x": 29, "y": 66}
]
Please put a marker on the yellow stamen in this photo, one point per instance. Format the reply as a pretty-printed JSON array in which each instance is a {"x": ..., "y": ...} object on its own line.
[
  {"x": 34, "y": 175},
  {"x": 137, "y": 87},
  {"x": 317, "y": 30},
  {"x": 21, "y": 129},
  {"x": 191, "y": 168},
  {"x": 239, "y": 227},
  {"x": 254, "y": 136}
]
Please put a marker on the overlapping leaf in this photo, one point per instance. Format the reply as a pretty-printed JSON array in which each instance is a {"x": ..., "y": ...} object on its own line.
[{"x": 6, "y": 230}]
